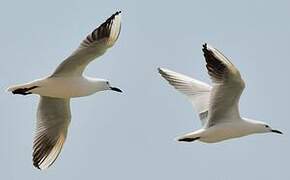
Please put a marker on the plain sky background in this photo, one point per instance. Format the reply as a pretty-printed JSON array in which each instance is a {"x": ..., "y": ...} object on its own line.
[{"x": 131, "y": 135}]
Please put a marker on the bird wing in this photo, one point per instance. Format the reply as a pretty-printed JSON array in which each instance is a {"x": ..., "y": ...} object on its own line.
[
  {"x": 53, "y": 118},
  {"x": 93, "y": 46},
  {"x": 197, "y": 91},
  {"x": 228, "y": 86}
]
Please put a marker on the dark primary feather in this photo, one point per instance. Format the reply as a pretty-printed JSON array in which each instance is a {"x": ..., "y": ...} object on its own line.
[
  {"x": 93, "y": 46},
  {"x": 103, "y": 31},
  {"x": 227, "y": 88},
  {"x": 216, "y": 68}
]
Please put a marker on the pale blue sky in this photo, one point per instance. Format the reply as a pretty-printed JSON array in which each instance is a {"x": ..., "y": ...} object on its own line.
[{"x": 130, "y": 135}]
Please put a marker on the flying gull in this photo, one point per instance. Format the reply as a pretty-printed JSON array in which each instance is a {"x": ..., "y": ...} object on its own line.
[
  {"x": 217, "y": 105},
  {"x": 67, "y": 81}
]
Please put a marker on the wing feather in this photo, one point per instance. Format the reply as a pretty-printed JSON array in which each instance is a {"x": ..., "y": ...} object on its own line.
[
  {"x": 93, "y": 46},
  {"x": 197, "y": 91},
  {"x": 228, "y": 86},
  {"x": 53, "y": 118}
]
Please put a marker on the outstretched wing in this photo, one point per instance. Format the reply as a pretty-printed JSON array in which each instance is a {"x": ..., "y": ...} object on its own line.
[
  {"x": 53, "y": 118},
  {"x": 92, "y": 47},
  {"x": 197, "y": 91},
  {"x": 227, "y": 87}
]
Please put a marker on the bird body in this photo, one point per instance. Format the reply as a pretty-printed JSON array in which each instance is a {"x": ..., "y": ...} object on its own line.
[
  {"x": 65, "y": 87},
  {"x": 224, "y": 131},
  {"x": 217, "y": 105}
]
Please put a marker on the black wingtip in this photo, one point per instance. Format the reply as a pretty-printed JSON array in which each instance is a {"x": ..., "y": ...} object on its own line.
[
  {"x": 36, "y": 166},
  {"x": 102, "y": 31},
  {"x": 159, "y": 69},
  {"x": 161, "y": 72},
  {"x": 204, "y": 47},
  {"x": 116, "y": 14},
  {"x": 113, "y": 16}
]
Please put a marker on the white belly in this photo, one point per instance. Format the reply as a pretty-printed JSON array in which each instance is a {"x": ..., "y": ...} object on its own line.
[
  {"x": 62, "y": 87},
  {"x": 223, "y": 132}
]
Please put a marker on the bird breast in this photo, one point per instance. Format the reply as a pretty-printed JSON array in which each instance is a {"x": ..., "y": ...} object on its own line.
[{"x": 225, "y": 131}]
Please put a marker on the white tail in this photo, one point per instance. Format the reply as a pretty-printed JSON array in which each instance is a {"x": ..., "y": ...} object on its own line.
[{"x": 23, "y": 89}]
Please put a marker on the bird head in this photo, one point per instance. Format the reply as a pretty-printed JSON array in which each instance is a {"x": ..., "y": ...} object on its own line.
[
  {"x": 264, "y": 128},
  {"x": 102, "y": 85},
  {"x": 267, "y": 128},
  {"x": 261, "y": 127}
]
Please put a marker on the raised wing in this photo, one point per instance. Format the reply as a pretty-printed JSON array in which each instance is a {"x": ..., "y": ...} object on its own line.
[
  {"x": 53, "y": 118},
  {"x": 92, "y": 47},
  {"x": 197, "y": 91},
  {"x": 227, "y": 87}
]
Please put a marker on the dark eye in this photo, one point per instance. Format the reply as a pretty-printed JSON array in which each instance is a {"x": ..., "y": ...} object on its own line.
[{"x": 266, "y": 126}]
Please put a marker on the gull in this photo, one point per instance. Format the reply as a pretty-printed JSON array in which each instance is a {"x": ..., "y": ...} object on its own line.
[
  {"x": 217, "y": 105},
  {"x": 67, "y": 81}
]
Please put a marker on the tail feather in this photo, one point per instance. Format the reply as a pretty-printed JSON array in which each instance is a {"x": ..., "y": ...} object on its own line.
[
  {"x": 12, "y": 88},
  {"x": 21, "y": 89},
  {"x": 187, "y": 139}
]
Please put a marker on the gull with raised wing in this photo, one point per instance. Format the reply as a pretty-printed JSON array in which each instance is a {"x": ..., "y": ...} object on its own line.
[
  {"x": 67, "y": 81},
  {"x": 217, "y": 105}
]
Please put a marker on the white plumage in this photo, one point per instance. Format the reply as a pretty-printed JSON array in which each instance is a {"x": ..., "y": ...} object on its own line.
[
  {"x": 217, "y": 106},
  {"x": 67, "y": 81}
]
